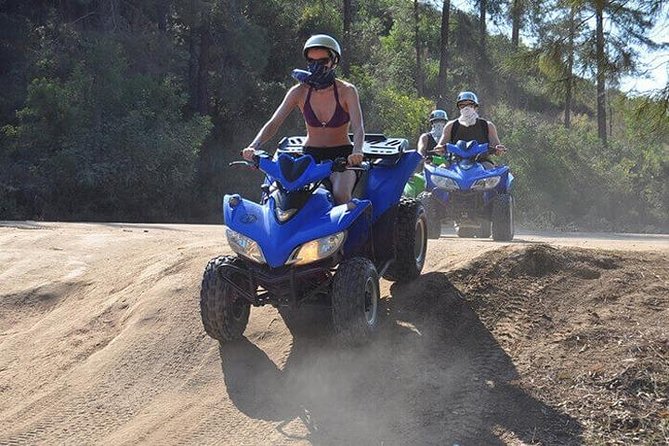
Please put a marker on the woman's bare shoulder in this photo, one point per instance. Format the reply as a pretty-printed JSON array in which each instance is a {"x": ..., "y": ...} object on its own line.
[
  {"x": 347, "y": 86},
  {"x": 297, "y": 92},
  {"x": 347, "y": 89},
  {"x": 298, "y": 89}
]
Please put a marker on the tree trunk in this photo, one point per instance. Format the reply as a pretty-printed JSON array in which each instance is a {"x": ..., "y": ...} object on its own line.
[
  {"x": 348, "y": 18},
  {"x": 601, "y": 72},
  {"x": 516, "y": 21},
  {"x": 570, "y": 68},
  {"x": 443, "y": 56},
  {"x": 482, "y": 30},
  {"x": 192, "y": 67},
  {"x": 419, "y": 65},
  {"x": 203, "y": 71},
  {"x": 163, "y": 11}
]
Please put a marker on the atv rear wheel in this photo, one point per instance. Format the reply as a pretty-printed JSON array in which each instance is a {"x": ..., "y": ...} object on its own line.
[
  {"x": 410, "y": 242},
  {"x": 485, "y": 230},
  {"x": 355, "y": 301},
  {"x": 466, "y": 231},
  {"x": 433, "y": 215},
  {"x": 482, "y": 231},
  {"x": 502, "y": 218},
  {"x": 224, "y": 311}
]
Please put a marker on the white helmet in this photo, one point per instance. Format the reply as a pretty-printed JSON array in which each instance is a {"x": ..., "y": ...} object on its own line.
[
  {"x": 323, "y": 41},
  {"x": 438, "y": 115},
  {"x": 467, "y": 96}
]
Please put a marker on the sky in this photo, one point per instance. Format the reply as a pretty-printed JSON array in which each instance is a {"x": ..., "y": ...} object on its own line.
[{"x": 655, "y": 64}]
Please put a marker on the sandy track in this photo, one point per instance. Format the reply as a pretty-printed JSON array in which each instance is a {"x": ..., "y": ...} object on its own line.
[{"x": 101, "y": 343}]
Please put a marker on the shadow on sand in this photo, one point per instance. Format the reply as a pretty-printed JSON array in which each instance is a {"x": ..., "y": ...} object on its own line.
[{"x": 434, "y": 375}]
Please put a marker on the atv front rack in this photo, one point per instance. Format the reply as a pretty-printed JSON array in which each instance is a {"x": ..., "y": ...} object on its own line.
[{"x": 376, "y": 145}]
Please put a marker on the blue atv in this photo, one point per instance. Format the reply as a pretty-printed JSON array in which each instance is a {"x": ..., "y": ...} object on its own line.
[
  {"x": 464, "y": 191},
  {"x": 296, "y": 248}
]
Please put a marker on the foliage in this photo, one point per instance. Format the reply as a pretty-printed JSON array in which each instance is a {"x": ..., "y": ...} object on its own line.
[
  {"x": 132, "y": 110},
  {"x": 102, "y": 143},
  {"x": 401, "y": 114},
  {"x": 567, "y": 179}
]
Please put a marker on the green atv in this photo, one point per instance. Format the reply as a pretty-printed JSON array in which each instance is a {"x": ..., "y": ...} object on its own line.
[{"x": 416, "y": 183}]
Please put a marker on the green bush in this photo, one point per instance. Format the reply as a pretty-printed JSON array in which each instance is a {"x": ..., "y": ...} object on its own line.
[
  {"x": 103, "y": 143},
  {"x": 567, "y": 179}
]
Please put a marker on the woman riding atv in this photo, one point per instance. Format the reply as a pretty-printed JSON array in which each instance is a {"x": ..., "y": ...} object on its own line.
[
  {"x": 329, "y": 106},
  {"x": 470, "y": 127}
]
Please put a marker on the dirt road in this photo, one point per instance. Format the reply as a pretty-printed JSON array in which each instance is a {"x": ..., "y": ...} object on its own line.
[{"x": 538, "y": 341}]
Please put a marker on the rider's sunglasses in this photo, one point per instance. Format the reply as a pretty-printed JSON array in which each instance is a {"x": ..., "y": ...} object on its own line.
[
  {"x": 462, "y": 105},
  {"x": 322, "y": 60}
]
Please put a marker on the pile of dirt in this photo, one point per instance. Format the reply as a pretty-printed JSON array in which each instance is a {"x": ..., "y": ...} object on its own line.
[
  {"x": 587, "y": 331},
  {"x": 101, "y": 342}
]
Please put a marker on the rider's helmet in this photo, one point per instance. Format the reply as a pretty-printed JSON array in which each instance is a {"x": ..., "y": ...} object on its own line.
[
  {"x": 323, "y": 41},
  {"x": 467, "y": 96},
  {"x": 438, "y": 115}
]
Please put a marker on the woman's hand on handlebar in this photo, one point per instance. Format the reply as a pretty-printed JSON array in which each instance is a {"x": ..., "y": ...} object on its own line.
[
  {"x": 248, "y": 153},
  {"x": 438, "y": 150},
  {"x": 500, "y": 149},
  {"x": 354, "y": 159}
]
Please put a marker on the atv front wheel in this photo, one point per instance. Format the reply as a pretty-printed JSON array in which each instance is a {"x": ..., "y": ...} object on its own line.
[
  {"x": 224, "y": 311},
  {"x": 355, "y": 301},
  {"x": 410, "y": 242},
  {"x": 433, "y": 215},
  {"x": 502, "y": 218}
]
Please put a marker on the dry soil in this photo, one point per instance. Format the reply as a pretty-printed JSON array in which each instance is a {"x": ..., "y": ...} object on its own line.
[{"x": 553, "y": 339}]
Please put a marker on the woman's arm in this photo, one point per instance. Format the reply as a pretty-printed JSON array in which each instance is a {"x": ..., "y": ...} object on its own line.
[
  {"x": 495, "y": 144},
  {"x": 357, "y": 126},
  {"x": 422, "y": 145},
  {"x": 290, "y": 101},
  {"x": 445, "y": 137}
]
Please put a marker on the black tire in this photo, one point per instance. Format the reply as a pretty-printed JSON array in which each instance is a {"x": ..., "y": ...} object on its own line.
[
  {"x": 485, "y": 230},
  {"x": 355, "y": 301},
  {"x": 466, "y": 231},
  {"x": 224, "y": 312},
  {"x": 410, "y": 242},
  {"x": 433, "y": 215},
  {"x": 503, "y": 218}
]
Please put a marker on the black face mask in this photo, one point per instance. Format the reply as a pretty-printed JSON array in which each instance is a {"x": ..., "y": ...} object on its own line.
[{"x": 317, "y": 75}]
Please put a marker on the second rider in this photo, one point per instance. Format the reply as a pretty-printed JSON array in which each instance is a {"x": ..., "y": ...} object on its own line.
[{"x": 470, "y": 127}]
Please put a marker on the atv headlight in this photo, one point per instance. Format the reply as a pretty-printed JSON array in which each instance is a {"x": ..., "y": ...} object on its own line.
[
  {"x": 245, "y": 246},
  {"x": 485, "y": 183},
  {"x": 318, "y": 249},
  {"x": 444, "y": 183},
  {"x": 282, "y": 215}
]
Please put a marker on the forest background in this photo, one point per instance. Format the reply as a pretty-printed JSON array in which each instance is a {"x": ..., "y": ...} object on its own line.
[{"x": 114, "y": 110}]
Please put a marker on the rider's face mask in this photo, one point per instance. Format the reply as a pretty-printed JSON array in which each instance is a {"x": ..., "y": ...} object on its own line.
[
  {"x": 438, "y": 128},
  {"x": 468, "y": 112},
  {"x": 318, "y": 74}
]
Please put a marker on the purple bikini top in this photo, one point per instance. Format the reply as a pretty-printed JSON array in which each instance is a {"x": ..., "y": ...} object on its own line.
[{"x": 339, "y": 118}]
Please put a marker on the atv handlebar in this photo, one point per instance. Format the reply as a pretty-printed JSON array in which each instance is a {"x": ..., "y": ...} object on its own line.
[
  {"x": 254, "y": 163},
  {"x": 449, "y": 156},
  {"x": 241, "y": 163},
  {"x": 339, "y": 164}
]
